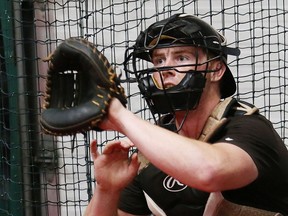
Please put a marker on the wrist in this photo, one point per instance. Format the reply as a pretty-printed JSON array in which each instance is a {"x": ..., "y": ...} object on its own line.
[
  {"x": 106, "y": 190},
  {"x": 118, "y": 115},
  {"x": 104, "y": 202}
]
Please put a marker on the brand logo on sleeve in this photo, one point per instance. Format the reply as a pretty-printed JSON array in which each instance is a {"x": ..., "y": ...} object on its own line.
[
  {"x": 228, "y": 139},
  {"x": 173, "y": 185}
]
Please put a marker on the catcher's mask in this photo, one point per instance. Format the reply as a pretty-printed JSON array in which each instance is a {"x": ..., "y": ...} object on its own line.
[{"x": 178, "y": 30}]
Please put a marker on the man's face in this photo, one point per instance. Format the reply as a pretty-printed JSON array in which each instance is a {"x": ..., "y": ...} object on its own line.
[{"x": 176, "y": 57}]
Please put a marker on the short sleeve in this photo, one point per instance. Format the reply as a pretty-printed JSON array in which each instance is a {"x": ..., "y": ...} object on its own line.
[{"x": 255, "y": 135}]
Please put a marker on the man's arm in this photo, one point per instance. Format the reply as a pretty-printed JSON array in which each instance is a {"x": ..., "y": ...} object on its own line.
[
  {"x": 203, "y": 166},
  {"x": 113, "y": 171},
  {"x": 105, "y": 203}
]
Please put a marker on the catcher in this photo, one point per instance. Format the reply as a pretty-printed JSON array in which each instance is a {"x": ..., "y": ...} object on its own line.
[{"x": 204, "y": 143}]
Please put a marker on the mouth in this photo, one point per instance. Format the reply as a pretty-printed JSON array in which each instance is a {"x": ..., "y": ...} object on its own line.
[
  {"x": 165, "y": 83},
  {"x": 168, "y": 86}
]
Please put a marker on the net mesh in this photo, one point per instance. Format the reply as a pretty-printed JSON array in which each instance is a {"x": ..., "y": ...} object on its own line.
[{"x": 44, "y": 175}]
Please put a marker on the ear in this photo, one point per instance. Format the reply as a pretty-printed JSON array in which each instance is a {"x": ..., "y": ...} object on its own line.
[{"x": 219, "y": 67}]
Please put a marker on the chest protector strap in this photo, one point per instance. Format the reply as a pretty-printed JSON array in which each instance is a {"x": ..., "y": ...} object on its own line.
[
  {"x": 218, "y": 206},
  {"x": 226, "y": 108}
]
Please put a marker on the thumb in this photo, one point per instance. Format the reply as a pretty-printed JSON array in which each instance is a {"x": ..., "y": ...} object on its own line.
[{"x": 134, "y": 163}]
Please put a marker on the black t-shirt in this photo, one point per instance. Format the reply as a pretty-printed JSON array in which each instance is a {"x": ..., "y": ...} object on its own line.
[
  {"x": 168, "y": 195},
  {"x": 255, "y": 135}
]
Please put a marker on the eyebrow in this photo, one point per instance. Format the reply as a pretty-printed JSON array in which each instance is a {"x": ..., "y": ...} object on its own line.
[{"x": 174, "y": 51}]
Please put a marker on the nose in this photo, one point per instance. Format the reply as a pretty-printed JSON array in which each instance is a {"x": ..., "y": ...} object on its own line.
[
  {"x": 168, "y": 71},
  {"x": 164, "y": 75}
]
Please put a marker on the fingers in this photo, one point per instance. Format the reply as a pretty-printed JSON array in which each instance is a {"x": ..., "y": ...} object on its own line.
[
  {"x": 93, "y": 149},
  {"x": 117, "y": 145},
  {"x": 112, "y": 146}
]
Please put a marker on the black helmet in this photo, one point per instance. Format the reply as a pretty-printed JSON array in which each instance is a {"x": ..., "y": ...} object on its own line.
[{"x": 178, "y": 30}]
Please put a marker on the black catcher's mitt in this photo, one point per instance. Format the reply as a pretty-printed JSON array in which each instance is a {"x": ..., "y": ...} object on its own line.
[{"x": 80, "y": 85}]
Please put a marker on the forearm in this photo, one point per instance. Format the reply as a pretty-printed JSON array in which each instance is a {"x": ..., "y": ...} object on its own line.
[
  {"x": 203, "y": 166},
  {"x": 103, "y": 203},
  {"x": 166, "y": 150}
]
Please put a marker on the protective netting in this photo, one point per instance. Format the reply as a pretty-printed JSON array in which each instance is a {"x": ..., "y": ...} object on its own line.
[{"x": 44, "y": 175}]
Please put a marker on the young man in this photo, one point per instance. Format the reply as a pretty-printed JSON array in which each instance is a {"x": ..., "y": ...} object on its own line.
[{"x": 216, "y": 145}]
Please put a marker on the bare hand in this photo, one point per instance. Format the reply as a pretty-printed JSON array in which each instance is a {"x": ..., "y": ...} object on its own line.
[{"x": 113, "y": 168}]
